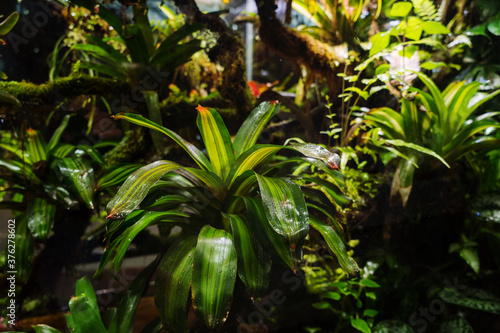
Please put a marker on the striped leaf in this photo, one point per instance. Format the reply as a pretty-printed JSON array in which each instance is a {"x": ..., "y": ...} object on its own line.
[
  {"x": 41, "y": 216},
  {"x": 36, "y": 146},
  {"x": 214, "y": 274},
  {"x": 62, "y": 150},
  {"x": 54, "y": 140},
  {"x": 253, "y": 265},
  {"x": 285, "y": 208},
  {"x": 21, "y": 169},
  {"x": 251, "y": 159},
  {"x": 116, "y": 175},
  {"x": 208, "y": 179},
  {"x": 147, "y": 220},
  {"x": 194, "y": 152},
  {"x": 173, "y": 283},
  {"x": 252, "y": 127},
  {"x": 267, "y": 237},
  {"x": 336, "y": 245},
  {"x": 21, "y": 154},
  {"x": 136, "y": 187},
  {"x": 79, "y": 178},
  {"x": 217, "y": 140}
]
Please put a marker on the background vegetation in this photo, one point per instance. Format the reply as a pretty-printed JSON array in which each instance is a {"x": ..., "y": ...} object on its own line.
[{"x": 285, "y": 166}]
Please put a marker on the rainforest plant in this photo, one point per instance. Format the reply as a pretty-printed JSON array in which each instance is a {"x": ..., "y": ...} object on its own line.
[
  {"x": 84, "y": 315},
  {"x": 237, "y": 217},
  {"x": 438, "y": 123},
  {"x": 6, "y": 26}
]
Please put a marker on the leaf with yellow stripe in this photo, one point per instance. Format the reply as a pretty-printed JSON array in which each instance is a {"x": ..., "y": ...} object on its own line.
[
  {"x": 217, "y": 140},
  {"x": 194, "y": 152},
  {"x": 214, "y": 274},
  {"x": 36, "y": 146},
  {"x": 250, "y": 159},
  {"x": 285, "y": 208},
  {"x": 252, "y": 127},
  {"x": 136, "y": 187}
]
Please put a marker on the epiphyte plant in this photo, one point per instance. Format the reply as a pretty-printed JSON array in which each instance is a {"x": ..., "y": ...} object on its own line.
[{"x": 237, "y": 215}]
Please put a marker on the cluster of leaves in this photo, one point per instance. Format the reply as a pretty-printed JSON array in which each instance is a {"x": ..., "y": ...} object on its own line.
[
  {"x": 85, "y": 317},
  {"x": 236, "y": 217},
  {"x": 48, "y": 178},
  {"x": 349, "y": 299},
  {"x": 439, "y": 124}
]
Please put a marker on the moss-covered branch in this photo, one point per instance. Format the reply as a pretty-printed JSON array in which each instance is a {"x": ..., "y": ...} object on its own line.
[
  {"x": 39, "y": 100},
  {"x": 299, "y": 48},
  {"x": 229, "y": 52}
]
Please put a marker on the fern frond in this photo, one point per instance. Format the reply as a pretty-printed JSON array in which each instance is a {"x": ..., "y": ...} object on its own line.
[{"x": 425, "y": 9}]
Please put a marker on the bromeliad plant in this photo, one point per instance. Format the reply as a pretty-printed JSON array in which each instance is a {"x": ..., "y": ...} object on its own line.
[
  {"x": 435, "y": 123},
  {"x": 237, "y": 218}
]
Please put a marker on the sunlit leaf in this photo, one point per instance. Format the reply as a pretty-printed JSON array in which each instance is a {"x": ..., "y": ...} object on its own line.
[
  {"x": 136, "y": 187},
  {"x": 252, "y": 127},
  {"x": 217, "y": 140},
  {"x": 194, "y": 152}
]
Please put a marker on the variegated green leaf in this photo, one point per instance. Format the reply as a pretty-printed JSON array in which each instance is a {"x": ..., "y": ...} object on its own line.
[
  {"x": 62, "y": 150},
  {"x": 250, "y": 159},
  {"x": 285, "y": 208},
  {"x": 147, "y": 220},
  {"x": 253, "y": 265},
  {"x": 21, "y": 169},
  {"x": 217, "y": 140},
  {"x": 79, "y": 177},
  {"x": 41, "y": 214},
  {"x": 252, "y": 127},
  {"x": 208, "y": 179},
  {"x": 136, "y": 187},
  {"x": 267, "y": 237},
  {"x": 116, "y": 175},
  {"x": 194, "y": 152},
  {"x": 36, "y": 146},
  {"x": 214, "y": 274},
  {"x": 336, "y": 245},
  {"x": 22, "y": 155},
  {"x": 173, "y": 283}
]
